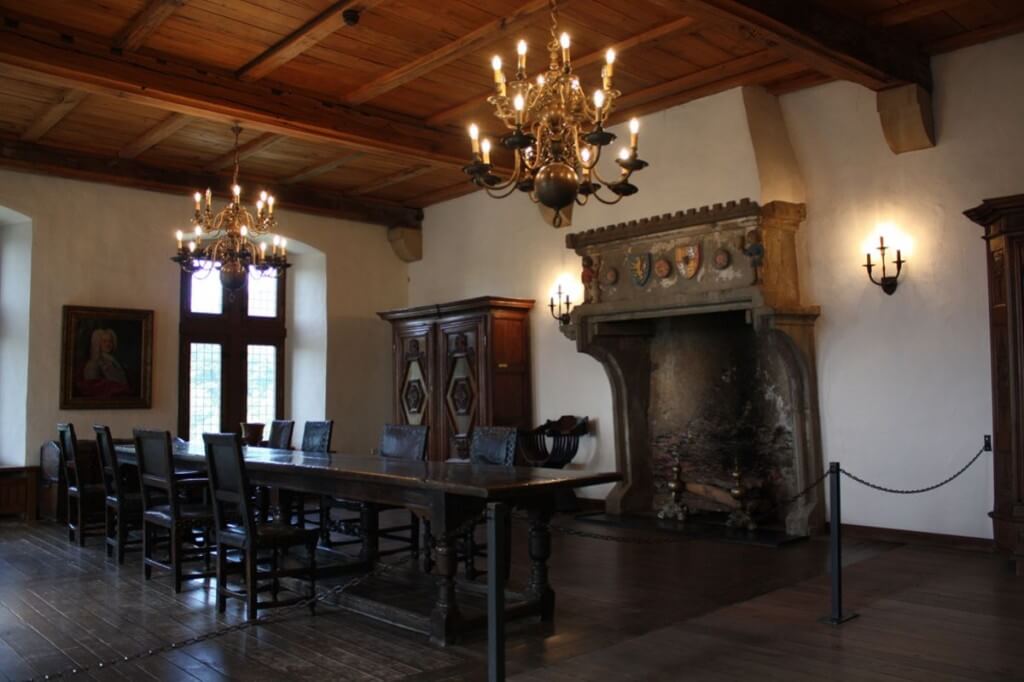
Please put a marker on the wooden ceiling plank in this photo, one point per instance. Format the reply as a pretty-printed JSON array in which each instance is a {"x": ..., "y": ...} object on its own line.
[
  {"x": 154, "y": 136},
  {"x": 819, "y": 38},
  {"x": 910, "y": 11},
  {"x": 65, "y": 104},
  {"x": 60, "y": 56},
  {"x": 321, "y": 168},
  {"x": 393, "y": 179},
  {"x": 38, "y": 158},
  {"x": 309, "y": 34},
  {"x": 253, "y": 146},
  {"x": 436, "y": 196},
  {"x": 145, "y": 22},
  {"x": 454, "y": 50},
  {"x": 675, "y": 26},
  {"x": 978, "y": 35}
]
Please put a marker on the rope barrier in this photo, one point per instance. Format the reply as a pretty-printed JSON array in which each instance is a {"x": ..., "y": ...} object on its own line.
[{"x": 914, "y": 491}]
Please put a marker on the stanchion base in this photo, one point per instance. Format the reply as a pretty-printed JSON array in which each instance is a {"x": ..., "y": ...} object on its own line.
[{"x": 829, "y": 620}]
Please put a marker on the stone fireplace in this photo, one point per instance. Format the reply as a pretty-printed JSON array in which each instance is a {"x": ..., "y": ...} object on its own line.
[{"x": 698, "y": 321}]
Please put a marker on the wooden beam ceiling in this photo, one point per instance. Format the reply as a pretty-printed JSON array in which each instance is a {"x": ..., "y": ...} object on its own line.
[
  {"x": 154, "y": 136},
  {"x": 145, "y": 22},
  {"x": 393, "y": 179},
  {"x": 321, "y": 168},
  {"x": 132, "y": 173},
  {"x": 60, "y": 57},
  {"x": 675, "y": 26},
  {"x": 457, "y": 49},
  {"x": 253, "y": 146},
  {"x": 65, "y": 104},
  {"x": 910, "y": 11},
  {"x": 820, "y": 39},
  {"x": 308, "y": 35}
]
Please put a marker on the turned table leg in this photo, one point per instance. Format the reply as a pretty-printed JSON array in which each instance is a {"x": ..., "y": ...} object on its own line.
[
  {"x": 445, "y": 615},
  {"x": 368, "y": 525},
  {"x": 540, "y": 551}
]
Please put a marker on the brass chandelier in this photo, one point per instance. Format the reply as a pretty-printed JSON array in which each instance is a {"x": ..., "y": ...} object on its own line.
[
  {"x": 557, "y": 134},
  {"x": 226, "y": 241}
]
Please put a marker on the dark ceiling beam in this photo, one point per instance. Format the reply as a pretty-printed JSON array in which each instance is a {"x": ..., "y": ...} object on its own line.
[
  {"x": 309, "y": 34},
  {"x": 60, "y": 56},
  {"x": 819, "y": 38},
  {"x": 145, "y": 22},
  {"x": 981, "y": 34},
  {"x": 910, "y": 11},
  {"x": 675, "y": 26},
  {"x": 318, "y": 169},
  {"x": 64, "y": 105},
  {"x": 250, "y": 148},
  {"x": 154, "y": 136},
  {"x": 38, "y": 158},
  {"x": 456, "y": 49},
  {"x": 393, "y": 179}
]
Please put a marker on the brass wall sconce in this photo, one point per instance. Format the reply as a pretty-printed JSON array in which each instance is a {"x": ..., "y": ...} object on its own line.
[
  {"x": 564, "y": 308},
  {"x": 887, "y": 282}
]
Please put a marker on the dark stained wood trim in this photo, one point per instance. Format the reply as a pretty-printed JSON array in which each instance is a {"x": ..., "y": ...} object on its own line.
[
  {"x": 132, "y": 173},
  {"x": 321, "y": 168},
  {"x": 43, "y": 53},
  {"x": 454, "y": 50},
  {"x": 801, "y": 81},
  {"x": 308, "y": 35},
  {"x": 253, "y": 146},
  {"x": 910, "y": 11},
  {"x": 978, "y": 35},
  {"x": 675, "y": 26},
  {"x": 154, "y": 136},
  {"x": 44, "y": 123},
  {"x": 145, "y": 22},
  {"x": 823, "y": 40},
  {"x": 393, "y": 179}
]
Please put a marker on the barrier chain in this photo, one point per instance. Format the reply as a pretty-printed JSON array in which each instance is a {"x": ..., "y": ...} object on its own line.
[{"x": 915, "y": 491}]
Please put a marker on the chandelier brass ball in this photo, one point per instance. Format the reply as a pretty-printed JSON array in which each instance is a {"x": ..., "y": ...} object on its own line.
[
  {"x": 232, "y": 275},
  {"x": 556, "y": 185}
]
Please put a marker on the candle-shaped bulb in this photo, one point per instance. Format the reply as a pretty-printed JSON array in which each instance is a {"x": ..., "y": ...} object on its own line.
[
  {"x": 263, "y": 195},
  {"x": 179, "y": 235},
  {"x": 585, "y": 155},
  {"x": 270, "y": 204},
  {"x": 575, "y": 83},
  {"x": 608, "y": 70},
  {"x": 192, "y": 247},
  {"x": 198, "y": 231},
  {"x": 599, "y": 101},
  {"x": 634, "y": 132},
  {"x": 521, "y": 53},
  {"x": 474, "y": 136},
  {"x": 209, "y": 197},
  {"x": 263, "y": 249},
  {"x": 199, "y": 200},
  {"x": 284, "y": 246},
  {"x": 609, "y": 56},
  {"x": 564, "y": 42},
  {"x": 485, "y": 146},
  {"x": 540, "y": 80},
  {"x": 236, "y": 190},
  {"x": 520, "y": 104},
  {"x": 244, "y": 231},
  {"x": 496, "y": 65},
  {"x": 259, "y": 206},
  {"x": 624, "y": 154}
]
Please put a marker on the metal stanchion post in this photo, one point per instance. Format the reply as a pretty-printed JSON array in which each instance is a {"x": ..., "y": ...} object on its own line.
[
  {"x": 837, "y": 616},
  {"x": 497, "y": 546}
]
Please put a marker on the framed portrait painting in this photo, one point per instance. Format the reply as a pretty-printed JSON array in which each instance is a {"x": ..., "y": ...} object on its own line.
[{"x": 106, "y": 358}]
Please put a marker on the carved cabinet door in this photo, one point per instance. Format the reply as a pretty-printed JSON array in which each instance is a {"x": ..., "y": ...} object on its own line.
[
  {"x": 463, "y": 377},
  {"x": 413, "y": 345}
]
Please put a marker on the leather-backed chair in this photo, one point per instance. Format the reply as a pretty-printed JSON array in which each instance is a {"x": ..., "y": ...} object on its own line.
[
  {"x": 280, "y": 437},
  {"x": 491, "y": 446},
  {"x": 316, "y": 437},
  {"x": 238, "y": 530},
  {"x": 252, "y": 432},
  {"x": 85, "y": 487},
  {"x": 187, "y": 525},
  {"x": 123, "y": 506}
]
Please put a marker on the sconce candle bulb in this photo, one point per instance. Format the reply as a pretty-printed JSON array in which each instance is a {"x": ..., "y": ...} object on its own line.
[
  {"x": 564, "y": 308},
  {"x": 887, "y": 282}
]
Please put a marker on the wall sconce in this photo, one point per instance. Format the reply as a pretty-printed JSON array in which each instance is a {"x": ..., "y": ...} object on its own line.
[
  {"x": 887, "y": 282},
  {"x": 564, "y": 307}
]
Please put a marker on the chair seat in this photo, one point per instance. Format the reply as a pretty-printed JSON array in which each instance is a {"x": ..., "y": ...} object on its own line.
[
  {"x": 270, "y": 535},
  {"x": 130, "y": 503},
  {"x": 161, "y": 514},
  {"x": 88, "y": 490}
]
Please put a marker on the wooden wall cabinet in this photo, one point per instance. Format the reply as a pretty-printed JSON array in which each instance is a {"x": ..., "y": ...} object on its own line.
[
  {"x": 1003, "y": 220},
  {"x": 459, "y": 365}
]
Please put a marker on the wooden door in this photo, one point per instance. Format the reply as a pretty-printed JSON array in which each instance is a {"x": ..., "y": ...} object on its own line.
[{"x": 464, "y": 383}]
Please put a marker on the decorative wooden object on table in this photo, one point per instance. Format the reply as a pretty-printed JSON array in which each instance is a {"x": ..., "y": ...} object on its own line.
[
  {"x": 460, "y": 365},
  {"x": 1003, "y": 220}
]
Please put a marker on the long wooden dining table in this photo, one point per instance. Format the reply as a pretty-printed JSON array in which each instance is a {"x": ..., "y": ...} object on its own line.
[{"x": 448, "y": 494}]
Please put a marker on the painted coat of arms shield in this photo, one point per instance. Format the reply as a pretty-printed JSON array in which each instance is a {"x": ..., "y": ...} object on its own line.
[
  {"x": 688, "y": 260},
  {"x": 640, "y": 268}
]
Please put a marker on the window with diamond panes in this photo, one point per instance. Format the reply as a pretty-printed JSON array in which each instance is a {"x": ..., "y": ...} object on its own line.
[
  {"x": 262, "y": 296},
  {"x": 261, "y": 378},
  {"x": 204, "y": 394}
]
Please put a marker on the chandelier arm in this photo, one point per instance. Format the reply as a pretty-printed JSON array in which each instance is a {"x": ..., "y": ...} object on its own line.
[
  {"x": 495, "y": 194},
  {"x": 606, "y": 202}
]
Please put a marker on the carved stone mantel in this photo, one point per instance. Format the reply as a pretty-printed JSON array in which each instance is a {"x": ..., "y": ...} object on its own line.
[{"x": 726, "y": 258}]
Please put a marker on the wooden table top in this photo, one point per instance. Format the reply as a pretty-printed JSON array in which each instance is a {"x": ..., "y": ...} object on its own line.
[{"x": 472, "y": 480}]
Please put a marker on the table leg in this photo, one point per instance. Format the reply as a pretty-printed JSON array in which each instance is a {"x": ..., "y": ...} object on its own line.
[
  {"x": 445, "y": 614},
  {"x": 540, "y": 550},
  {"x": 368, "y": 525},
  {"x": 497, "y": 535}
]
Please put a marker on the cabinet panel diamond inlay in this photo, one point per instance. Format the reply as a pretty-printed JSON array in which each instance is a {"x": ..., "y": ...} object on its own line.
[{"x": 414, "y": 394}]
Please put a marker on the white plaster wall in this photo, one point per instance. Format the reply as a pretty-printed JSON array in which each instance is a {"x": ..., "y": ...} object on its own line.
[
  {"x": 15, "y": 272},
  {"x": 306, "y": 320},
  {"x": 475, "y": 245},
  {"x": 100, "y": 245}
]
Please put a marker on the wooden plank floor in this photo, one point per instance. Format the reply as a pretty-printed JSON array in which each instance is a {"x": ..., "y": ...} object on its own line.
[{"x": 642, "y": 611}]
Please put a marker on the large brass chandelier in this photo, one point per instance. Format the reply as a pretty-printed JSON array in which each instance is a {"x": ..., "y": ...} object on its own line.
[
  {"x": 225, "y": 241},
  {"x": 557, "y": 134}
]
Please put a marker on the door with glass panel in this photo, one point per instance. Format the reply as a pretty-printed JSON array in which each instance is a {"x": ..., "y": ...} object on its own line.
[{"x": 231, "y": 354}]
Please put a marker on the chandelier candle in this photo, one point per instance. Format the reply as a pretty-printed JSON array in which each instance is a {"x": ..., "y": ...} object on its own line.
[{"x": 556, "y": 134}]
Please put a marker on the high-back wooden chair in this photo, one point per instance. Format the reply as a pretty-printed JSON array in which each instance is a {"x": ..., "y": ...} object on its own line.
[
  {"x": 123, "y": 507},
  {"x": 238, "y": 530},
  {"x": 85, "y": 487},
  {"x": 185, "y": 526},
  {"x": 316, "y": 437},
  {"x": 491, "y": 446},
  {"x": 280, "y": 437}
]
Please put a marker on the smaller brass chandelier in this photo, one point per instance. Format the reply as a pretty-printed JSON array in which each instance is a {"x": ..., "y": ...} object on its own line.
[
  {"x": 557, "y": 134},
  {"x": 226, "y": 241}
]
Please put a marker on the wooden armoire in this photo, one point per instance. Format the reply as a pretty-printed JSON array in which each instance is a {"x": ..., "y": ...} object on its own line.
[
  {"x": 460, "y": 365},
  {"x": 1003, "y": 220}
]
